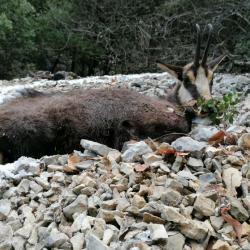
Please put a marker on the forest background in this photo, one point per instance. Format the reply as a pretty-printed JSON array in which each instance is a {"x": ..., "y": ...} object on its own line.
[{"x": 117, "y": 36}]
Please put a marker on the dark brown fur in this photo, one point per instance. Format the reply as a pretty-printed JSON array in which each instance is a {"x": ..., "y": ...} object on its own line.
[{"x": 45, "y": 125}]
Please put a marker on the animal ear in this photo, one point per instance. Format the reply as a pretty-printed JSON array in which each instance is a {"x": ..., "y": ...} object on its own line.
[
  {"x": 173, "y": 70},
  {"x": 215, "y": 63}
]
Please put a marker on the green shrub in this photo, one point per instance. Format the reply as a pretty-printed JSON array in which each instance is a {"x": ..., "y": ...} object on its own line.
[{"x": 220, "y": 110}]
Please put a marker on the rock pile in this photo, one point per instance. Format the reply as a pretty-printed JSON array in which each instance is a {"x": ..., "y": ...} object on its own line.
[{"x": 188, "y": 195}]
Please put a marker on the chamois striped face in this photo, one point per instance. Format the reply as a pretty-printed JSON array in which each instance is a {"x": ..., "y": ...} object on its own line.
[
  {"x": 196, "y": 83},
  {"x": 196, "y": 78}
]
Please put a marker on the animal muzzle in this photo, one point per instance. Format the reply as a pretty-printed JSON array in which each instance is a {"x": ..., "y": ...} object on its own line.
[{"x": 195, "y": 111}]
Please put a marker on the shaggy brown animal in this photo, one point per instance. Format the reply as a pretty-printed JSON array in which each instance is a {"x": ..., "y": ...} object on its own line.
[{"x": 55, "y": 124}]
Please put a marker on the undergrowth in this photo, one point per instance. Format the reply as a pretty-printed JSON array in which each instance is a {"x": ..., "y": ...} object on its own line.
[{"x": 220, "y": 111}]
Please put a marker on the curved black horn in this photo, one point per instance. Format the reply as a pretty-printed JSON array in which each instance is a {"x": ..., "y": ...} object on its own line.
[
  {"x": 204, "y": 58},
  {"x": 198, "y": 47}
]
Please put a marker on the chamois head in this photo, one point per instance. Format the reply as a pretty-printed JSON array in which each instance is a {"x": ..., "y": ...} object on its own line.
[{"x": 195, "y": 78}]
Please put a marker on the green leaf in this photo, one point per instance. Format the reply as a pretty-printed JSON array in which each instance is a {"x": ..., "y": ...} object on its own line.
[{"x": 221, "y": 110}]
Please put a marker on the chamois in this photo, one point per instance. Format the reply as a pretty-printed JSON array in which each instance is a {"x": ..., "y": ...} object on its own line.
[
  {"x": 195, "y": 79},
  {"x": 54, "y": 124}
]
